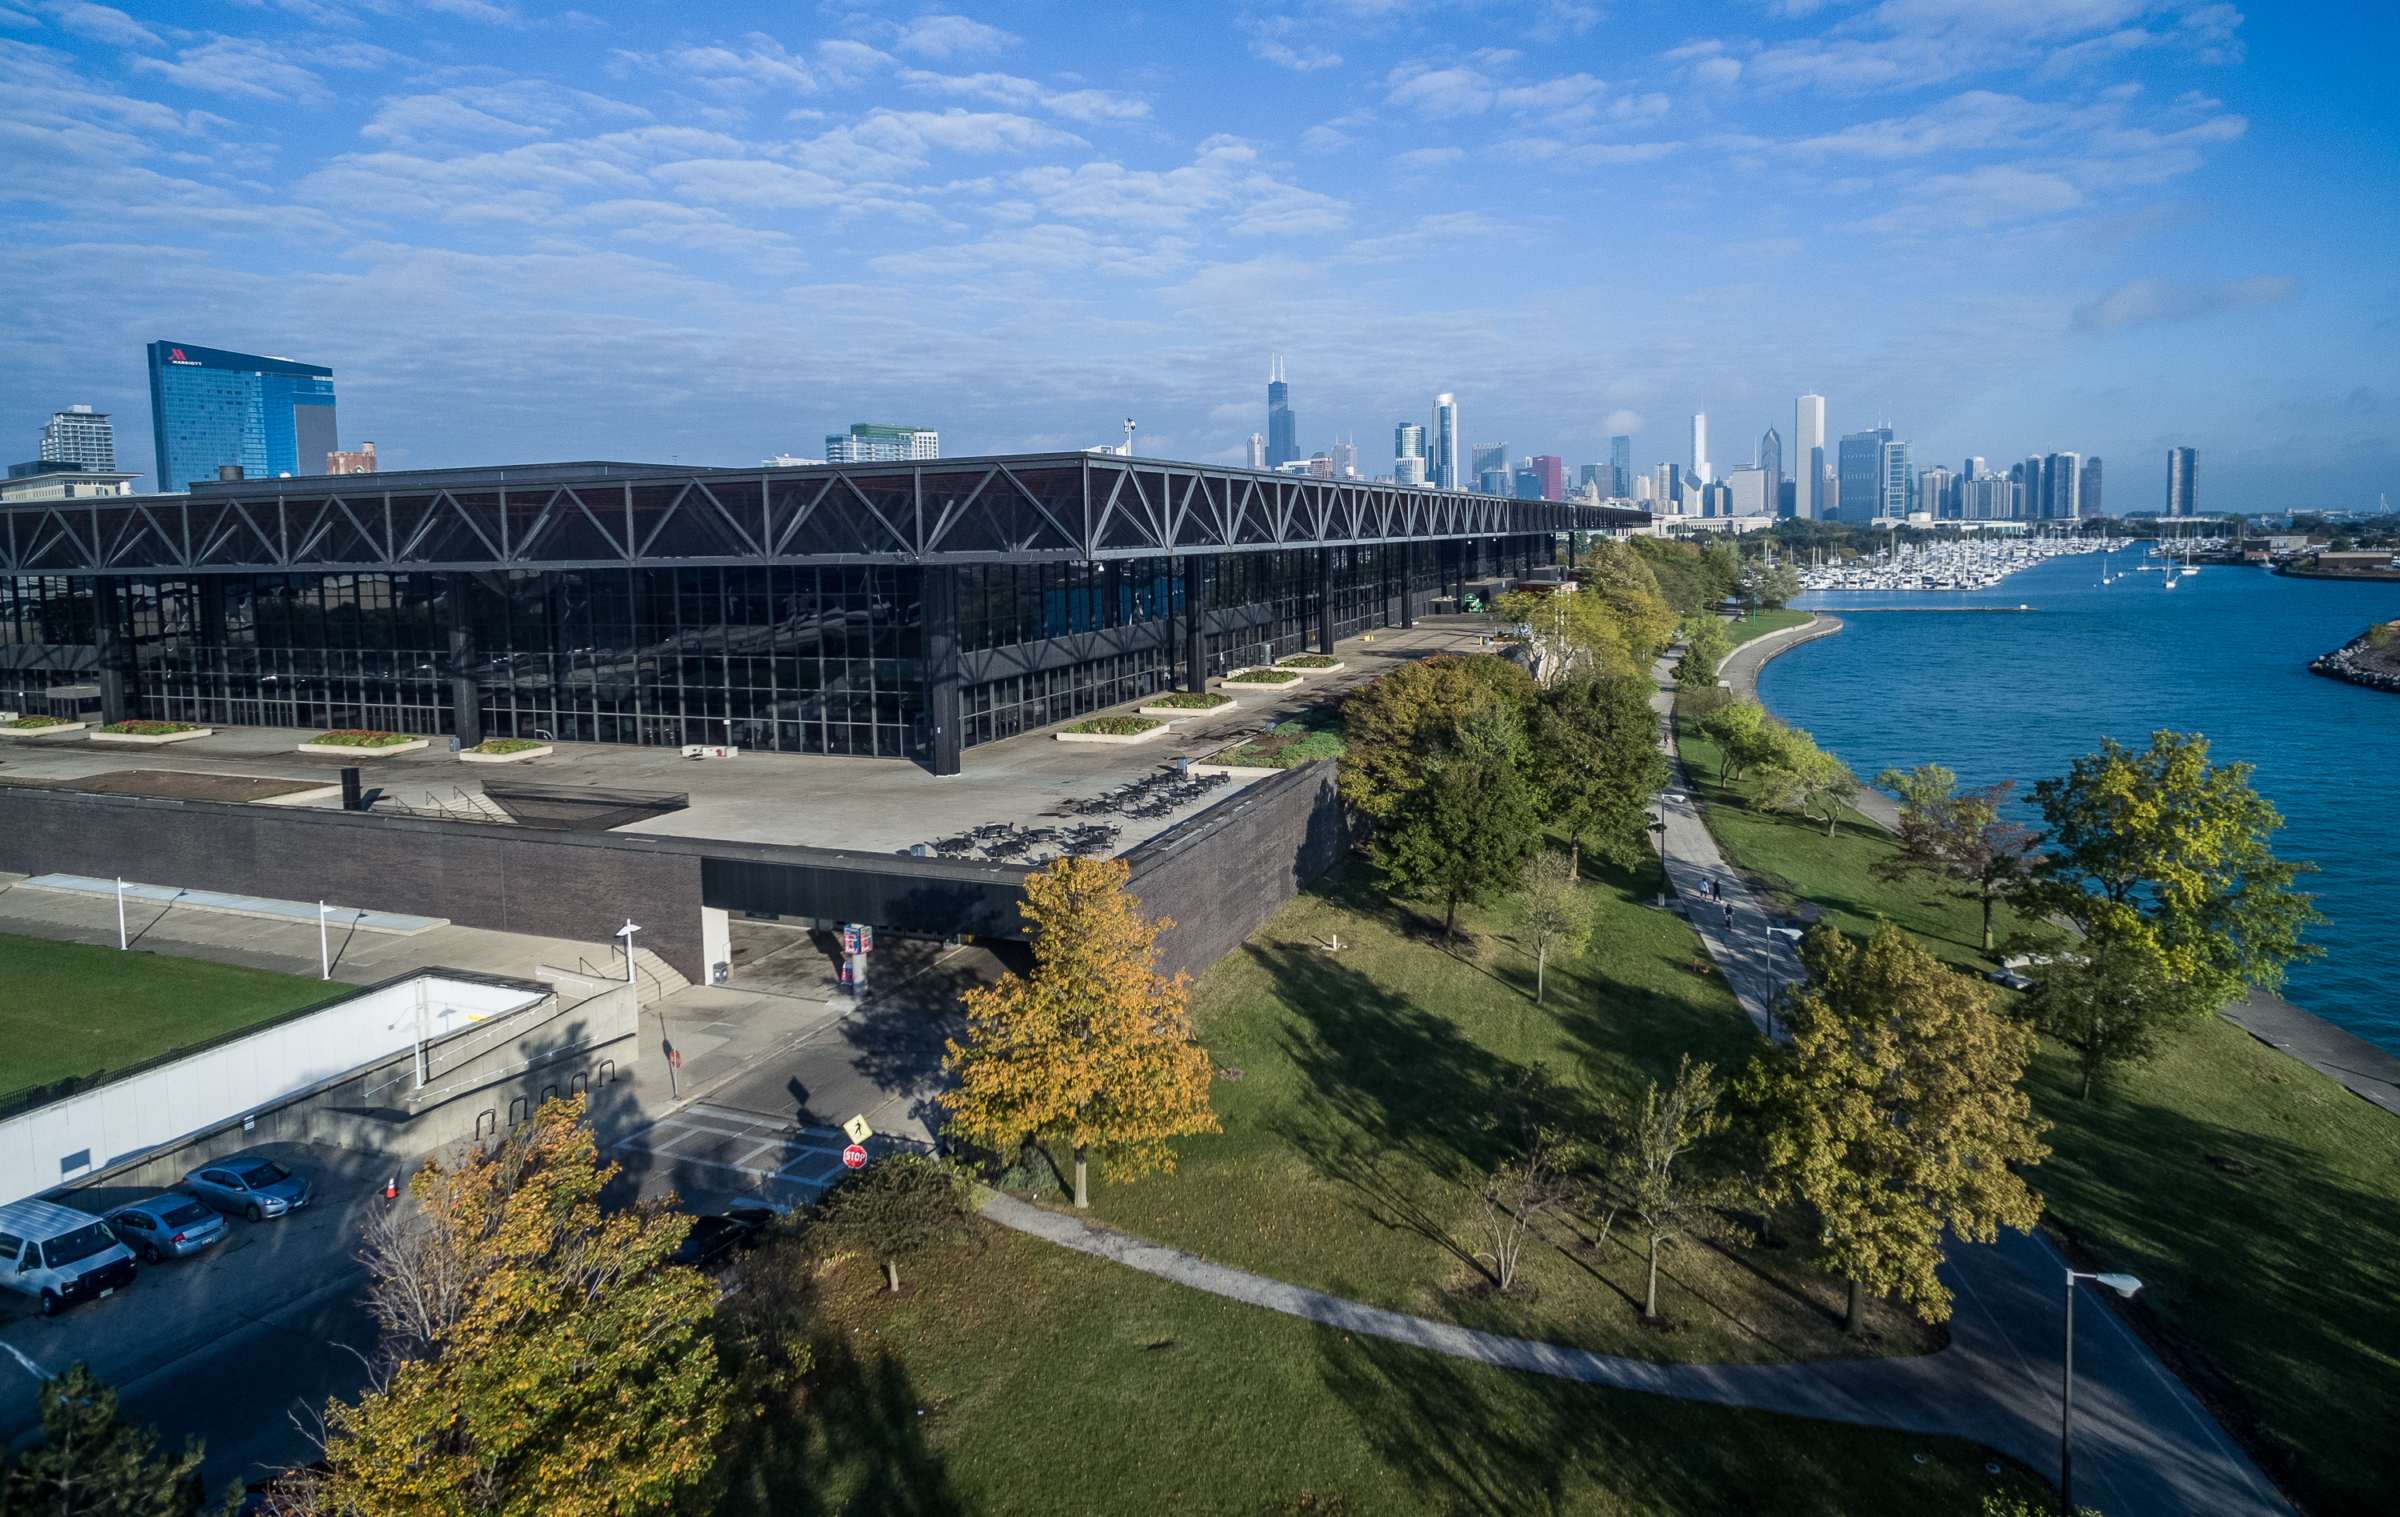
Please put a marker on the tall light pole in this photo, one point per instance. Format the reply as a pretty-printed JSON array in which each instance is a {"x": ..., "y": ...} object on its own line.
[
  {"x": 674, "y": 1090},
  {"x": 2123, "y": 1285},
  {"x": 324, "y": 946},
  {"x": 120, "y": 913}
]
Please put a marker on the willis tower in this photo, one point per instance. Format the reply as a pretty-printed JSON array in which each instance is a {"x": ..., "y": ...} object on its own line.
[{"x": 1283, "y": 444}]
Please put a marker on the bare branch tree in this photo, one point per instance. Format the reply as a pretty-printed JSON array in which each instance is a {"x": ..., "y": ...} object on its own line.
[{"x": 1511, "y": 1198}]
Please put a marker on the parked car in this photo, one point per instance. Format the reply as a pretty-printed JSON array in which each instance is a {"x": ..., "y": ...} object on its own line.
[
  {"x": 713, "y": 1239},
  {"x": 60, "y": 1255},
  {"x": 167, "y": 1227},
  {"x": 2009, "y": 979},
  {"x": 257, "y": 1188}
]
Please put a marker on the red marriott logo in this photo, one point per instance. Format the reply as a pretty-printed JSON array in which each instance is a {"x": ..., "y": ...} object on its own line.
[{"x": 175, "y": 355}]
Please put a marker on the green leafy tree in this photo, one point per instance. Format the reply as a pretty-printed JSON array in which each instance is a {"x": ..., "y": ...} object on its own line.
[
  {"x": 1745, "y": 737},
  {"x": 1397, "y": 727},
  {"x": 1655, "y": 1179},
  {"x": 1467, "y": 830},
  {"x": 91, "y": 1462},
  {"x": 1776, "y": 585},
  {"x": 550, "y": 1361},
  {"x": 895, "y": 1208},
  {"x": 1595, "y": 746},
  {"x": 2111, "y": 1003},
  {"x": 1552, "y": 914},
  {"x": 1095, "y": 1043},
  {"x": 1958, "y": 836},
  {"x": 1705, "y": 644},
  {"x": 1895, "y": 1114},
  {"x": 2162, "y": 844},
  {"x": 1797, "y": 775}
]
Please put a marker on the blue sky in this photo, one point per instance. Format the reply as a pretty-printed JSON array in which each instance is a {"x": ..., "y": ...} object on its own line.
[{"x": 519, "y": 232}]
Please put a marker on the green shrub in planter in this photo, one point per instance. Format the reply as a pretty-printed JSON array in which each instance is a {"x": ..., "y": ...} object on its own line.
[
  {"x": 504, "y": 745},
  {"x": 1186, "y": 700},
  {"x": 36, "y": 723},
  {"x": 1116, "y": 726},
  {"x": 150, "y": 729},
  {"x": 357, "y": 737}
]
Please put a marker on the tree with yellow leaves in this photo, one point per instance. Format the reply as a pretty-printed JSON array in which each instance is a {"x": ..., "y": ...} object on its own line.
[
  {"x": 542, "y": 1358},
  {"x": 1895, "y": 1113},
  {"x": 1095, "y": 1045}
]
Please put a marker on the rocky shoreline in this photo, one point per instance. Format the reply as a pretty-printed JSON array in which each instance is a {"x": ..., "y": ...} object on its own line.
[{"x": 2358, "y": 663}]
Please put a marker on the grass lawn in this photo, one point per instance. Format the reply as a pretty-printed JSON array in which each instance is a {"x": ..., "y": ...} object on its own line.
[
  {"x": 1743, "y": 628},
  {"x": 2278, "y": 1288},
  {"x": 1378, "y": 1085},
  {"x": 73, "y": 1009},
  {"x": 1055, "y": 1383}
]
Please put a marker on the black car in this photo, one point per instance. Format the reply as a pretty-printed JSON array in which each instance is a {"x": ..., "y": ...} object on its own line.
[{"x": 712, "y": 1240}]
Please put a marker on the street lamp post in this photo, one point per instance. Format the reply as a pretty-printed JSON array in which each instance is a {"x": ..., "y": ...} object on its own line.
[
  {"x": 674, "y": 1092},
  {"x": 2123, "y": 1285},
  {"x": 324, "y": 946},
  {"x": 120, "y": 913}
]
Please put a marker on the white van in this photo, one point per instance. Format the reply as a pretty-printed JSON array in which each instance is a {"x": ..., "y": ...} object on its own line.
[{"x": 60, "y": 1254}]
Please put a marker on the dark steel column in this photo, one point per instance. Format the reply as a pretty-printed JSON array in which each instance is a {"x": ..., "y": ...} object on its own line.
[
  {"x": 466, "y": 701},
  {"x": 942, "y": 704},
  {"x": 1408, "y": 584},
  {"x": 108, "y": 612},
  {"x": 1325, "y": 600},
  {"x": 1195, "y": 623}
]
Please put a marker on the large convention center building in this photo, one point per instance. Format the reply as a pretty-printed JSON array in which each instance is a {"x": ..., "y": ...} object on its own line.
[{"x": 907, "y": 611}]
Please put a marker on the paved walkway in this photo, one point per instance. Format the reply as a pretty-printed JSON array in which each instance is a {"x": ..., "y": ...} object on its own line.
[{"x": 2143, "y": 1446}]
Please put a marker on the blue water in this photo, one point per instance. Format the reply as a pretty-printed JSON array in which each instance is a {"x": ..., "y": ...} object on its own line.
[{"x": 2000, "y": 696}]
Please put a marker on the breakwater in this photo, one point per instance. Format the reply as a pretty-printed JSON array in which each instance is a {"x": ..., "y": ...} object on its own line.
[{"x": 2360, "y": 662}]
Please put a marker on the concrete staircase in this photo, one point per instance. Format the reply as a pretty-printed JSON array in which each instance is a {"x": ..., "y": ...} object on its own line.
[{"x": 654, "y": 979}]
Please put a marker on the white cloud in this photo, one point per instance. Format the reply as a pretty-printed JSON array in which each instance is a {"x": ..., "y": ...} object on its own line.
[
  {"x": 243, "y": 67},
  {"x": 1429, "y": 157},
  {"x": 407, "y": 121},
  {"x": 2142, "y": 301},
  {"x": 103, "y": 24},
  {"x": 1304, "y": 59},
  {"x": 1621, "y": 423},
  {"x": 1439, "y": 92},
  {"x": 945, "y": 37},
  {"x": 1097, "y": 107}
]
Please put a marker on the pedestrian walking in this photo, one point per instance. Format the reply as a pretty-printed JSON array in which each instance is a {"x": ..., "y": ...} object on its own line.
[{"x": 1729, "y": 916}]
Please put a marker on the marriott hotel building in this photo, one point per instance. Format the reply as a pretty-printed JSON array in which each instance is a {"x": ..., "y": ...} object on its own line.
[{"x": 896, "y": 610}]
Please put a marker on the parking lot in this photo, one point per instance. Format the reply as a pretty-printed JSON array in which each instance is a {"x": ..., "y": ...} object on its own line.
[{"x": 240, "y": 1344}]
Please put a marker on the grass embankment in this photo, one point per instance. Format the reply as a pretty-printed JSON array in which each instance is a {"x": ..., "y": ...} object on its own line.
[
  {"x": 71, "y": 1009},
  {"x": 1376, "y": 1089},
  {"x": 2278, "y": 1288},
  {"x": 1743, "y": 628},
  {"x": 1054, "y": 1383}
]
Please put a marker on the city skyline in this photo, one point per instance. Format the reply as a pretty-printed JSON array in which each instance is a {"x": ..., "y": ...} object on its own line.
[{"x": 768, "y": 218}]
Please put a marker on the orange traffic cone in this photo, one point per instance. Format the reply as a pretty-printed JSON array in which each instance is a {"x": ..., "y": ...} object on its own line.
[{"x": 391, "y": 1188}]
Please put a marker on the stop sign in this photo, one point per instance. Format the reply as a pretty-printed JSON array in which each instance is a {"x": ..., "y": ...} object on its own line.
[{"x": 854, "y": 1156}]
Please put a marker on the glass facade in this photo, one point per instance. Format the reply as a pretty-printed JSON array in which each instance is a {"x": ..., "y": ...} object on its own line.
[
  {"x": 209, "y": 408},
  {"x": 796, "y": 659}
]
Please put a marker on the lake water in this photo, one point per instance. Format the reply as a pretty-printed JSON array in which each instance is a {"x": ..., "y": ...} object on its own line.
[{"x": 2003, "y": 696}]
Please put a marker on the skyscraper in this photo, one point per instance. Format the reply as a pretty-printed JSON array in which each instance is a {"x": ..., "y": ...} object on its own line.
[
  {"x": 80, "y": 436},
  {"x": 2036, "y": 502},
  {"x": 1860, "y": 473},
  {"x": 1898, "y": 475},
  {"x": 1345, "y": 460},
  {"x": 1933, "y": 493},
  {"x": 1770, "y": 458},
  {"x": 1408, "y": 454},
  {"x": 210, "y": 409},
  {"x": 1258, "y": 451},
  {"x": 1283, "y": 430},
  {"x": 2091, "y": 487},
  {"x": 879, "y": 442},
  {"x": 1484, "y": 457},
  {"x": 2183, "y": 487},
  {"x": 1699, "y": 469},
  {"x": 2062, "y": 487},
  {"x": 1620, "y": 467},
  {"x": 1551, "y": 470},
  {"x": 1808, "y": 456},
  {"x": 1442, "y": 444}
]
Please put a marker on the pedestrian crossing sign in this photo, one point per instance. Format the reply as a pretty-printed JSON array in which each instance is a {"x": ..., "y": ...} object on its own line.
[{"x": 858, "y": 1129}]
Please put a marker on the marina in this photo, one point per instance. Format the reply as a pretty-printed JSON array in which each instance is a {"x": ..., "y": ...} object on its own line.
[{"x": 1944, "y": 566}]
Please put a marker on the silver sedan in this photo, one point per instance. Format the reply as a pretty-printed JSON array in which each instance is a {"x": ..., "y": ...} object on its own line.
[
  {"x": 166, "y": 1227},
  {"x": 257, "y": 1188}
]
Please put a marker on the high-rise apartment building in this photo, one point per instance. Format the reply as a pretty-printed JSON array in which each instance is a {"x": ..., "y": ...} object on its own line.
[
  {"x": 1283, "y": 429},
  {"x": 1551, "y": 470},
  {"x": 1620, "y": 466},
  {"x": 1933, "y": 494},
  {"x": 1699, "y": 466},
  {"x": 211, "y": 409},
  {"x": 1899, "y": 478},
  {"x": 877, "y": 442},
  {"x": 1441, "y": 456},
  {"x": 1408, "y": 454},
  {"x": 2091, "y": 487},
  {"x": 2183, "y": 487},
  {"x": 1808, "y": 457},
  {"x": 80, "y": 436},
  {"x": 1257, "y": 456},
  {"x": 2062, "y": 486}
]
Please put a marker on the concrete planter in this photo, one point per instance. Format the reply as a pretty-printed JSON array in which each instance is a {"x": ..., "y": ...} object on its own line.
[
  {"x": 43, "y": 731},
  {"x": 470, "y": 756},
  {"x": 1337, "y": 664},
  {"x": 1290, "y": 678},
  {"x": 333, "y": 750},
  {"x": 1236, "y": 771},
  {"x": 1178, "y": 713},
  {"x": 153, "y": 740},
  {"x": 1160, "y": 730}
]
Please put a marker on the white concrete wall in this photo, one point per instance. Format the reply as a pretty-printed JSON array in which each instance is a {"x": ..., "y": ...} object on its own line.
[
  {"x": 94, "y": 1128},
  {"x": 716, "y": 941}
]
